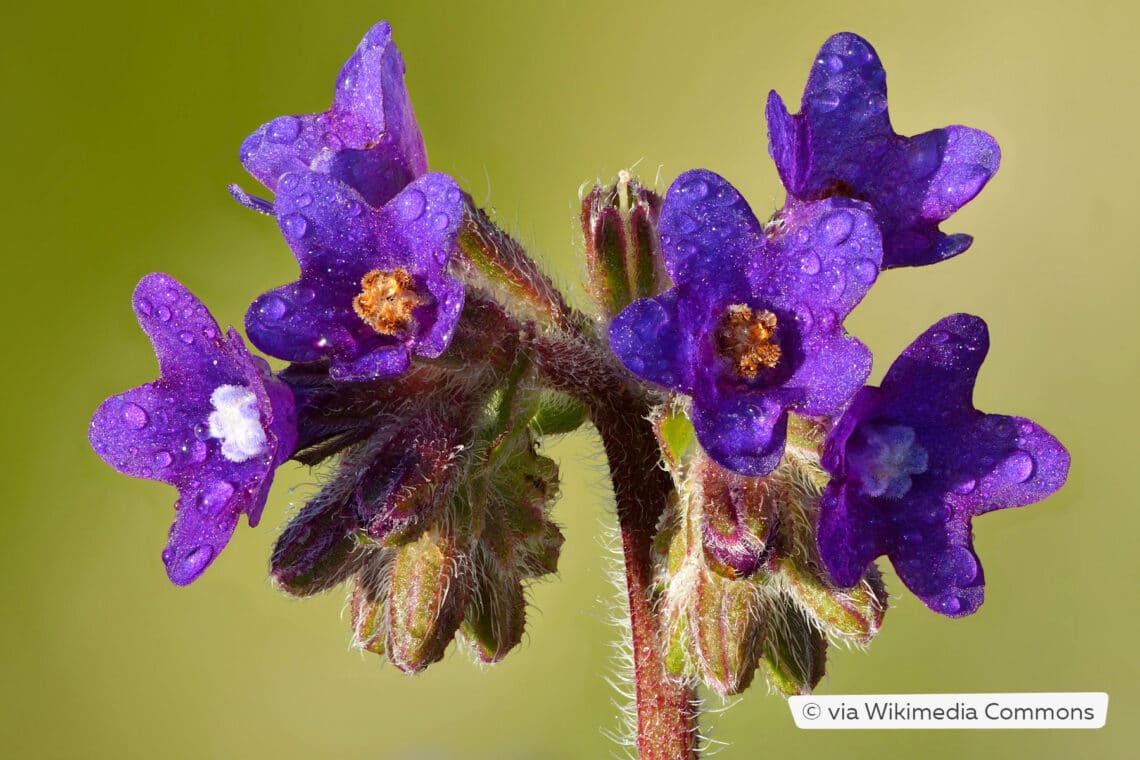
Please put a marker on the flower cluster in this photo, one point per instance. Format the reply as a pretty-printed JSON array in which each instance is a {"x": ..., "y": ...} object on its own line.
[
  {"x": 749, "y": 340},
  {"x": 408, "y": 380},
  {"x": 426, "y": 356}
]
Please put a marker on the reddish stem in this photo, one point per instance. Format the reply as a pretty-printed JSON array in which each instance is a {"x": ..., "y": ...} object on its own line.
[{"x": 666, "y": 707}]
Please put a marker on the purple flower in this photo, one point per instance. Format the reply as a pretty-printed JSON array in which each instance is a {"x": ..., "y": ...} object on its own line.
[
  {"x": 374, "y": 285},
  {"x": 912, "y": 462},
  {"x": 754, "y": 324},
  {"x": 215, "y": 425},
  {"x": 368, "y": 139},
  {"x": 842, "y": 144}
]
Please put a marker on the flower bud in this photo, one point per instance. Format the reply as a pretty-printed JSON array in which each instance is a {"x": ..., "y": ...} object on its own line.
[
  {"x": 795, "y": 651},
  {"x": 428, "y": 593},
  {"x": 727, "y": 632},
  {"x": 496, "y": 616},
  {"x": 623, "y": 247},
  {"x": 318, "y": 549},
  {"x": 410, "y": 478},
  {"x": 854, "y": 614},
  {"x": 738, "y": 518}
]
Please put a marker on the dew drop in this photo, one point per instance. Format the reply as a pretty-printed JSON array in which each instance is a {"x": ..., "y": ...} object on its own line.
[
  {"x": 837, "y": 226},
  {"x": 272, "y": 309},
  {"x": 832, "y": 63},
  {"x": 135, "y": 416},
  {"x": 963, "y": 565},
  {"x": 826, "y": 319},
  {"x": 352, "y": 208},
  {"x": 283, "y": 129},
  {"x": 939, "y": 336},
  {"x": 1018, "y": 467},
  {"x": 146, "y": 472},
  {"x": 949, "y": 604},
  {"x": 876, "y": 103},
  {"x": 288, "y": 183},
  {"x": 825, "y": 102},
  {"x": 303, "y": 294},
  {"x": 411, "y": 205},
  {"x": 686, "y": 223},
  {"x": 186, "y": 338},
  {"x": 302, "y": 200},
  {"x": 163, "y": 314},
  {"x": 454, "y": 195},
  {"x": 810, "y": 263},
  {"x": 193, "y": 563},
  {"x": 696, "y": 189},
  {"x": 966, "y": 486},
  {"x": 202, "y": 431},
  {"x": 865, "y": 271},
  {"x": 215, "y": 496},
  {"x": 145, "y": 306},
  {"x": 441, "y": 221},
  {"x": 163, "y": 459},
  {"x": 294, "y": 226}
]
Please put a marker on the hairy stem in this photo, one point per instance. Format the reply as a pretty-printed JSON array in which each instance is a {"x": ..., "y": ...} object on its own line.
[{"x": 666, "y": 707}]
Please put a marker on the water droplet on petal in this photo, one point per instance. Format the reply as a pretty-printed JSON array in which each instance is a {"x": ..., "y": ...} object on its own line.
[
  {"x": 876, "y": 103},
  {"x": 163, "y": 459},
  {"x": 696, "y": 189},
  {"x": 352, "y": 208},
  {"x": 146, "y": 472},
  {"x": 837, "y": 226},
  {"x": 825, "y": 101},
  {"x": 826, "y": 319},
  {"x": 949, "y": 604},
  {"x": 939, "y": 336},
  {"x": 810, "y": 263},
  {"x": 163, "y": 314},
  {"x": 283, "y": 129},
  {"x": 193, "y": 563},
  {"x": 966, "y": 487},
  {"x": 1018, "y": 467},
  {"x": 832, "y": 63},
  {"x": 963, "y": 565},
  {"x": 294, "y": 226},
  {"x": 454, "y": 195},
  {"x": 686, "y": 223},
  {"x": 202, "y": 431},
  {"x": 186, "y": 338},
  {"x": 215, "y": 496},
  {"x": 441, "y": 221},
  {"x": 302, "y": 200},
  {"x": 865, "y": 271},
  {"x": 288, "y": 183},
  {"x": 135, "y": 416},
  {"x": 272, "y": 309},
  {"x": 411, "y": 205},
  {"x": 303, "y": 294},
  {"x": 145, "y": 306}
]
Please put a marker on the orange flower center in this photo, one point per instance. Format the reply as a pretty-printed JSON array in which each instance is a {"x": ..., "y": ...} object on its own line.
[
  {"x": 747, "y": 339},
  {"x": 386, "y": 300}
]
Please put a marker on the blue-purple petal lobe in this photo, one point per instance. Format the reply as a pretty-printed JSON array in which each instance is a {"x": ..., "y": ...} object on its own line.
[
  {"x": 913, "y": 462},
  {"x": 841, "y": 144},
  {"x": 648, "y": 338},
  {"x": 743, "y": 434}
]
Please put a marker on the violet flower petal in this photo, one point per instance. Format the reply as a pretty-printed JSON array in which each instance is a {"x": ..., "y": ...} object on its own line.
[
  {"x": 163, "y": 430},
  {"x": 958, "y": 463},
  {"x": 337, "y": 239},
  {"x": 368, "y": 139},
  {"x": 842, "y": 144}
]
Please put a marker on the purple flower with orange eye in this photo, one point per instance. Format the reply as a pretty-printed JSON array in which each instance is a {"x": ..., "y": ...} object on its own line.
[
  {"x": 842, "y": 144},
  {"x": 368, "y": 139},
  {"x": 753, "y": 327},
  {"x": 374, "y": 286},
  {"x": 912, "y": 462},
  {"x": 215, "y": 425}
]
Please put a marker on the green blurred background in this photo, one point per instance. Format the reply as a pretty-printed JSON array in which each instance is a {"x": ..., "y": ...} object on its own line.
[{"x": 121, "y": 127}]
